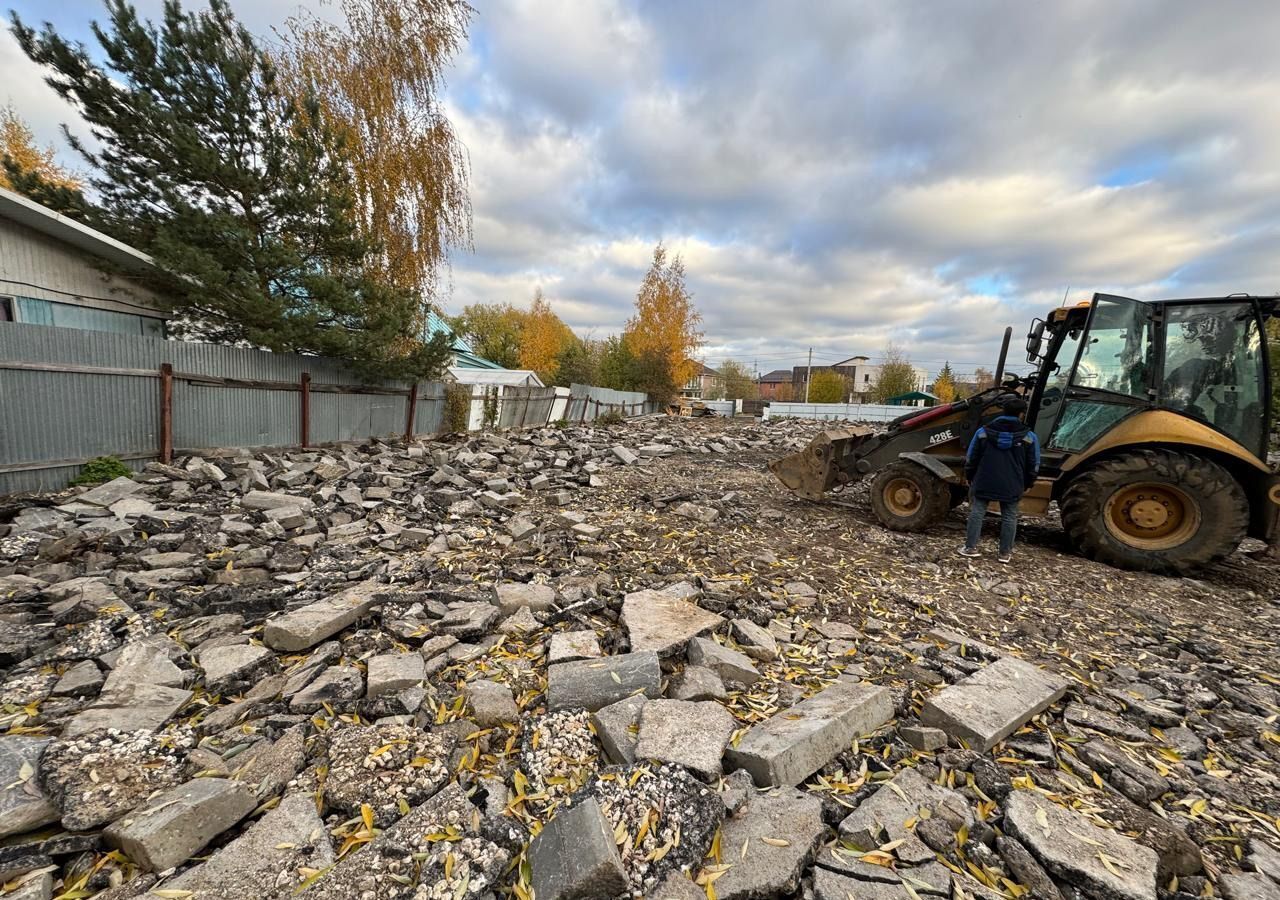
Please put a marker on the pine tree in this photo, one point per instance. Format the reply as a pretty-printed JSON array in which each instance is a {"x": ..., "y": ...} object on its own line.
[
  {"x": 237, "y": 190},
  {"x": 944, "y": 387}
]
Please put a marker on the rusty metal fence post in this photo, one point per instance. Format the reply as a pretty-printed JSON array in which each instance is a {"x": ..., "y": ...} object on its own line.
[
  {"x": 166, "y": 412},
  {"x": 306, "y": 408},
  {"x": 411, "y": 412}
]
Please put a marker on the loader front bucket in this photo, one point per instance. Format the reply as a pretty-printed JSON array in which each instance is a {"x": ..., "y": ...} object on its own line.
[{"x": 815, "y": 470}]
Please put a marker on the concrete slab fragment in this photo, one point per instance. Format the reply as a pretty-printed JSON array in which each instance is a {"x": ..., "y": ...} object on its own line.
[
  {"x": 176, "y": 824},
  {"x": 308, "y": 626},
  {"x": 994, "y": 702},
  {"x": 664, "y": 620},
  {"x": 1070, "y": 846},
  {"x": 769, "y": 845},
  {"x": 689, "y": 734},
  {"x": 726, "y": 662},
  {"x": 574, "y": 856},
  {"x": 594, "y": 683},
  {"x": 794, "y": 744},
  {"x": 618, "y": 728},
  {"x": 23, "y": 805}
]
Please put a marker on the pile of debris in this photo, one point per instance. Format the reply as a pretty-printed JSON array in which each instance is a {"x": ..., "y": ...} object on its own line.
[{"x": 573, "y": 663}]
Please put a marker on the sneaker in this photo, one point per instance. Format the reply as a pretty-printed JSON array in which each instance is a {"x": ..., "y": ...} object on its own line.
[
  {"x": 1005, "y": 558},
  {"x": 965, "y": 551}
]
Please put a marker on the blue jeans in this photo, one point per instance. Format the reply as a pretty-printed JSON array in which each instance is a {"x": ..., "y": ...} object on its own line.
[{"x": 1008, "y": 523}]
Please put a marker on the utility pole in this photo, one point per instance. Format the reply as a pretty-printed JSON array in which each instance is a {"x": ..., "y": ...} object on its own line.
[{"x": 808, "y": 376}]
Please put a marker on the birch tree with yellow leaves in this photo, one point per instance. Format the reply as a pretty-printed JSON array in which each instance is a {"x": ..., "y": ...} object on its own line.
[
  {"x": 23, "y": 157},
  {"x": 665, "y": 327},
  {"x": 378, "y": 79},
  {"x": 543, "y": 337}
]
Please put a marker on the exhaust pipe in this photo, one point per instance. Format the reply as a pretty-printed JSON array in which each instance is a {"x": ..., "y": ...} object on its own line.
[{"x": 1004, "y": 355}]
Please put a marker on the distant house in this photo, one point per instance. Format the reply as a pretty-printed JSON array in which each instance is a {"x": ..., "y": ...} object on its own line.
[
  {"x": 858, "y": 371},
  {"x": 51, "y": 274},
  {"x": 861, "y": 373},
  {"x": 700, "y": 383},
  {"x": 776, "y": 385}
]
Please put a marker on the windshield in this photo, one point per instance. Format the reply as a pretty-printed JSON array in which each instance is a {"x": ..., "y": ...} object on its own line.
[
  {"x": 1117, "y": 351},
  {"x": 1213, "y": 368}
]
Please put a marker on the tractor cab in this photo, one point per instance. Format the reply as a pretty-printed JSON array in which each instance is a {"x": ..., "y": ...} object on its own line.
[{"x": 1100, "y": 363}]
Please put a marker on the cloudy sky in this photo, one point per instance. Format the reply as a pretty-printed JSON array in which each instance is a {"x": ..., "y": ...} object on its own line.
[{"x": 842, "y": 175}]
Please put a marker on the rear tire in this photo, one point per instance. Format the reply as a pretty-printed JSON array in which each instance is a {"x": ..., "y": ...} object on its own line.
[
  {"x": 1156, "y": 511},
  {"x": 908, "y": 497}
]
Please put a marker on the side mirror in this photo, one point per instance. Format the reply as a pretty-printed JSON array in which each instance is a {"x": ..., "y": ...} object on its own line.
[{"x": 1034, "y": 338}]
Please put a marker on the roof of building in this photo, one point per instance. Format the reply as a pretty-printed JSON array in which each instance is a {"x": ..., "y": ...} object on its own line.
[
  {"x": 853, "y": 361},
  {"x": 498, "y": 376},
  {"x": 775, "y": 376},
  {"x": 435, "y": 323},
  {"x": 464, "y": 360},
  {"x": 39, "y": 218},
  {"x": 704, "y": 371},
  {"x": 909, "y": 396}
]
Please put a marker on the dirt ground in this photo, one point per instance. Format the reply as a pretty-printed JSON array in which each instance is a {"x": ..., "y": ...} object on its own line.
[{"x": 1049, "y": 600}]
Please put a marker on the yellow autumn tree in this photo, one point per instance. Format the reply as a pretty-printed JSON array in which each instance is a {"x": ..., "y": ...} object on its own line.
[
  {"x": 18, "y": 149},
  {"x": 944, "y": 388},
  {"x": 378, "y": 77},
  {"x": 665, "y": 325},
  {"x": 543, "y": 338}
]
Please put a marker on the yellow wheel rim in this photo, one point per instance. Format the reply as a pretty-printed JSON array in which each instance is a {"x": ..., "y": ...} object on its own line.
[
  {"x": 902, "y": 497},
  {"x": 1152, "y": 516}
]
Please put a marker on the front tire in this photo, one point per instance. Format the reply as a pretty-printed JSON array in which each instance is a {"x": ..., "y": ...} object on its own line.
[
  {"x": 1156, "y": 511},
  {"x": 908, "y": 497}
]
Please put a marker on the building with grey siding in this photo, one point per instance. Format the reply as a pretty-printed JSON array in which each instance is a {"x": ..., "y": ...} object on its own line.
[{"x": 51, "y": 273}]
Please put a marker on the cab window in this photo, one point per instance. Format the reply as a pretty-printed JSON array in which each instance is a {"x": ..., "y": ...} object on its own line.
[
  {"x": 1117, "y": 351},
  {"x": 1213, "y": 368}
]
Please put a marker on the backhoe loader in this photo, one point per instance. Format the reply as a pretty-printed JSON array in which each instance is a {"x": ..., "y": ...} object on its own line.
[{"x": 1154, "y": 423}]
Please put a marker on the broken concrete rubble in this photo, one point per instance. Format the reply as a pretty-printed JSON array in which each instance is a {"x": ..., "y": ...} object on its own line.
[
  {"x": 23, "y": 804},
  {"x": 664, "y": 620},
  {"x": 685, "y": 733},
  {"x": 173, "y": 825},
  {"x": 787, "y": 748},
  {"x": 769, "y": 843},
  {"x": 165, "y": 595},
  {"x": 883, "y": 818},
  {"x": 595, "y": 683},
  {"x": 306, "y": 627},
  {"x": 574, "y": 857},
  {"x": 990, "y": 705},
  {"x": 1072, "y": 847}
]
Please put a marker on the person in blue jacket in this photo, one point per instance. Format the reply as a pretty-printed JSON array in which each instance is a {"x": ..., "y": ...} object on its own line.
[{"x": 1001, "y": 466}]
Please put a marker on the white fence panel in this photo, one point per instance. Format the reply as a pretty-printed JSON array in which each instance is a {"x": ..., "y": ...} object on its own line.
[{"x": 855, "y": 412}]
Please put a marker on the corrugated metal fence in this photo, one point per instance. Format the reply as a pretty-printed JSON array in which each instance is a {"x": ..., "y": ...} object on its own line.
[
  {"x": 588, "y": 403},
  {"x": 67, "y": 396},
  {"x": 521, "y": 406}
]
